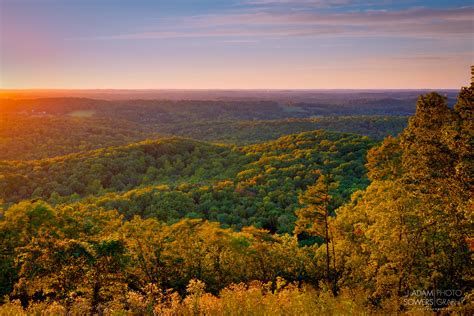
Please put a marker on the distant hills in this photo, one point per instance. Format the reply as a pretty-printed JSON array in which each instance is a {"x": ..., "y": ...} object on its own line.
[{"x": 303, "y": 95}]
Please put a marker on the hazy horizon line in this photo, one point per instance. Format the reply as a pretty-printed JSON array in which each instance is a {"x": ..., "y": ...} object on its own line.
[{"x": 219, "y": 89}]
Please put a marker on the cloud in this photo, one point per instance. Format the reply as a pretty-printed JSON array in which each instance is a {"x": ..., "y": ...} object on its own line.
[
  {"x": 432, "y": 57},
  {"x": 239, "y": 41},
  {"x": 409, "y": 23},
  {"x": 316, "y": 3}
]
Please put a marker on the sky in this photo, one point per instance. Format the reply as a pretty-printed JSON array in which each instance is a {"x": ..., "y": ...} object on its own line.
[{"x": 235, "y": 44}]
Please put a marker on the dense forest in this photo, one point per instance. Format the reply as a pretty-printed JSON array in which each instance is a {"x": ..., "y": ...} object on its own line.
[
  {"x": 29, "y": 137},
  {"x": 34, "y": 129},
  {"x": 236, "y": 207},
  {"x": 237, "y": 186}
]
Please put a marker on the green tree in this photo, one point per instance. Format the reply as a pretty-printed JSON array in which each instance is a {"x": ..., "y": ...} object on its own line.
[{"x": 314, "y": 217}]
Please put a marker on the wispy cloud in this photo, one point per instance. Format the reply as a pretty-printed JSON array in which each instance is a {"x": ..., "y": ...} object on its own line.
[
  {"x": 432, "y": 57},
  {"x": 410, "y": 23},
  {"x": 312, "y": 3},
  {"x": 239, "y": 41}
]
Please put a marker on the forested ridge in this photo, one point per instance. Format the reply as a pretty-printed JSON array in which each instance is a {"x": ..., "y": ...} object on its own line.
[
  {"x": 30, "y": 137},
  {"x": 34, "y": 128},
  {"x": 315, "y": 222},
  {"x": 114, "y": 168},
  {"x": 238, "y": 186}
]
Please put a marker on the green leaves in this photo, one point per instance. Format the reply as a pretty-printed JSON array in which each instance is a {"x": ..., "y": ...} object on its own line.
[{"x": 409, "y": 230}]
